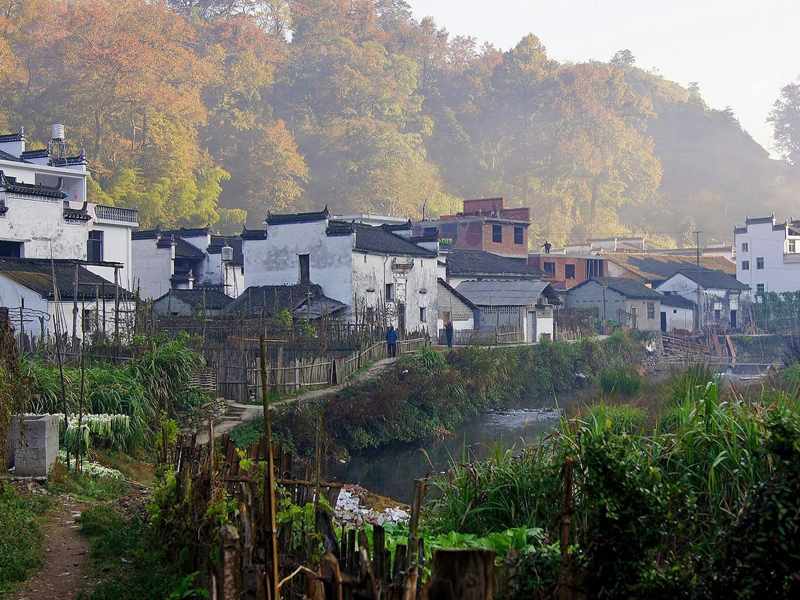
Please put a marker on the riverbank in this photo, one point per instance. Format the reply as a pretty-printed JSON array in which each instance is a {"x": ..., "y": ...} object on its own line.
[{"x": 431, "y": 395}]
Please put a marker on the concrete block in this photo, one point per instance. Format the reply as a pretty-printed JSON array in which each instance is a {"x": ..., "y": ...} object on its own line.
[{"x": 34, "y": 441}]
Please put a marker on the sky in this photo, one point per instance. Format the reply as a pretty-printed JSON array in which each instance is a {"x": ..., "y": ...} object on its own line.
[{"x": 741, "y": 52}]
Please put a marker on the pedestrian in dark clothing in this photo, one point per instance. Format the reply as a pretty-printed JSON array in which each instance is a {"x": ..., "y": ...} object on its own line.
[
  {"x": 391, "y": 342},
  {"x": 448, "y": 332},
  {"x": 547, "y": 245}
]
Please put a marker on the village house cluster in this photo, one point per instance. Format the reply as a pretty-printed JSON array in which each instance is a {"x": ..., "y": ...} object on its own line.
[{"x": 65, "y": 259}]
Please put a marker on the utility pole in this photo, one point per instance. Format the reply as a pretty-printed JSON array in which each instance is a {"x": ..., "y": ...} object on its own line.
[{"x": 699, "y": 303}]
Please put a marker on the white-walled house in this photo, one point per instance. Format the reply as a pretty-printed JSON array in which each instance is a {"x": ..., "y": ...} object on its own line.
[
  {"x": 456, "y": 308},
  {"x": 626, "y": 301},
  {"x": 28, "y": 284},
  {"x": 371, "y": 269},
  {"x": 44, "y": 210},
  {"x": 720, "y": 295},
  {"x": 768, "y": 255},
  {"x": 677, "y": 314},
  {"x": 180, "y": 259}
]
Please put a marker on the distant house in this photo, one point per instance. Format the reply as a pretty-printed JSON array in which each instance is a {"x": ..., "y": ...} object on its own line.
[
  {"x": 720, "y": 295},
  {"x": 29, "y": 283},
  {"x": 565, "y": 271},
  {"x": 655, "y": 268},
  {"x": 768, "y": 255},
  {"x": 456, "y": 308},
  {"x": 302, "y": 301},
  {"x": 185, "y": 259},
  {"x": 677, "y": 314},
  {"x": 378, "y": 272},
  {"x": 625, "y": 301},
  {"x": 200, "y": 302},
  {"x": 523, "y": 305},
  {"x": 474, "y": 265},
  {"x": 45, "y": 212},
  {"x": 484, "y": 224}
]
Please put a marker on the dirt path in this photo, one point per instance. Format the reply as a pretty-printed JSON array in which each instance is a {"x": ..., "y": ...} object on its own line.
[
  {"x": 242, "y": 413},
  {"x": 61, "y": 577}
]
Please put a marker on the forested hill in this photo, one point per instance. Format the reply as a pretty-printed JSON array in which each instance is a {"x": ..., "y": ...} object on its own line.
[{"x": 199, "y": 110}]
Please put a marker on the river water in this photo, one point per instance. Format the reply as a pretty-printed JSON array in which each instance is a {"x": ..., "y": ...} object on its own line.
[{"x": 391, "y": 470}]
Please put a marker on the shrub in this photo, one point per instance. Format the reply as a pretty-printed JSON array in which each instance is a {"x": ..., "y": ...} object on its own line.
[
  {"x": 21, "y": 542},
  {"x": 620, "y": 381}
]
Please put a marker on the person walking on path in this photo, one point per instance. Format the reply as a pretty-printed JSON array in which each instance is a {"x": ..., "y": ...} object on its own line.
[
  {"x": 448, "y": 332},
  {"x": 391, "y": 341}
]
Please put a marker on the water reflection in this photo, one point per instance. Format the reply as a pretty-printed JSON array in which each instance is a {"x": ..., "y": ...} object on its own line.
[{"x": 390, "y": 471}]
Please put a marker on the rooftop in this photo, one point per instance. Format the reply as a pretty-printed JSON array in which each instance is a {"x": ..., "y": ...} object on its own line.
[
  {"x": 714, "y": 280},
  {"x": 234, "y": 241},
  {"x": 506, "y": 293},
  {"x": 199, "y": 298},
  {"x": 9, "y": 184},
  {"x": 656, "y": 268},
  {"x": 479, "y": 262},
  {"x": 307, "y": 217},
  {"x": 630, "y": 288},
  {"x": 36, "y": 274},
  {"x": 676, "y": 301},
  {"x": 266, "y": 301}
]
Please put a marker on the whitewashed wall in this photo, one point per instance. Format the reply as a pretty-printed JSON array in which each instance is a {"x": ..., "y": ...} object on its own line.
[
  {"x": 152, "y": 268},
  {"x": 678, "y": 318},
  {"x": 39, "y": 223},
  {"x": 779, "y": 274}
]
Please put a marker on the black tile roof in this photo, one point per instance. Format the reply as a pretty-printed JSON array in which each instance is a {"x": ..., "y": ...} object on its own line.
[
  {"x": 630, "y": 288},
  {"x": 307, "y": 217},
  {"x": 36, "y": 275},
  {"x": 11, "y": 157},
  {"x": 266, "y": 301},
  {"x": 656, "y": 268},
  {"x": 41, "y": 153},
  {"x": 9, "y": 184},
  {"x": 199, "y": 298},
  {"x": 76, "y": 214},
  {"x": 184, "y": 249},
  {"x": 253, "y": 234},
  {"x": 378, "y": 240},
  {"x": 13, "y": 137},
  {"x": 151, "y": 234},
  {"x": 478, "y": 262},
  {"x": 714, "y": 280}
]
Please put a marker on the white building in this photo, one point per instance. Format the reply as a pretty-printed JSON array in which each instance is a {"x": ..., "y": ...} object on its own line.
[
  {"x": 186, "y": 259},
  {"x": 44, "y": 210},
  {"x": 720, "y": 295},
  {"x": 36, "y": 301},
  {"x": 677, "y": 314},
  {"x": 626, "y": 301},
  {"x": 768, "y": 255},
  {"x": 371, "y": 269}
]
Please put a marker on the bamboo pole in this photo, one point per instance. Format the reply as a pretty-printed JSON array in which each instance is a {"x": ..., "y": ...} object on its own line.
[
  {"x": 412, "y": 576},
  {"x": 270, "y": 527}
]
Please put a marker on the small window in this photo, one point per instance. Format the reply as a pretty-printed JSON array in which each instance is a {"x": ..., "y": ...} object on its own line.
[
  {"x": 760, "y": 288},
  {"x": 550, "y": 268},
  {"x": 745, "y": 265},
  {"x": 518, "y": 235},
  {"x": 651, "y": 310},
  {"x": 12, "y": 249},
  {"x": 792, "y": 246},
  {"x": 569, "y": 271},
  {"x": 389, "y": 292},
  {"x": 305, "y": 268},
  {"x": 745, "y": 246},
  {"x": 717, "y": 314},
  {"x": 760, "y": 262},
  {"x": 497, "y": 234},
  {"x": 430, "y": 231},
  {"x": 94, "y": 246},
  {"x": 423, "y": 314},
  {"x": 674, "y": 311},
  {"x": 446, "y": 316}
]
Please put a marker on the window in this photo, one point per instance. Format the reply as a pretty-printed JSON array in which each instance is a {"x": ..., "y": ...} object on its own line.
[
  {"x": 389, "y": 292},
  {"x": 760, "y": 262},
  {"x": 651, "y": 310},
  {"x": 518, "y": 235},
  {"x": 12, "y": 249},
  {"x": 423, "y": 314},
  {"x": 305, "y": 268},
  {"x": 94, "y": 246},
  {"x": 717, "y": 314},
  {"x": 497, "y": 234},
  {"x": 745, "y": 265},
  {"x": 745, "y": 246},
  {"x": 759, "y": 288},
  {"x": 792, "y": 246},
  {"x": 550, "y": 268},
  {"x": 594, "y": 268},
  {"x": 430, "y": 231},
  {"x": 569, "y": 271}
]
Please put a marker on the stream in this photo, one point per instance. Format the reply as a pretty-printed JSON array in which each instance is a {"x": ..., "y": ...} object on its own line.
[{"x": 391, "y": 470}]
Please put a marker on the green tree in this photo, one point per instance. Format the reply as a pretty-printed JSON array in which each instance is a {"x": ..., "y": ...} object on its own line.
[{"x": 785, "y": 119}]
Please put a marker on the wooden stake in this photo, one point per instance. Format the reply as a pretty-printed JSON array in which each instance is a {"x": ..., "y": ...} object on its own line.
[
  {"x": 412, "y": 577},
  {"x": 270, "y": 527}
]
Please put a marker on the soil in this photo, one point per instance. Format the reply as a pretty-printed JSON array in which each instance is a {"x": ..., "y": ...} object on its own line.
[{"x": 62, "y": 574}]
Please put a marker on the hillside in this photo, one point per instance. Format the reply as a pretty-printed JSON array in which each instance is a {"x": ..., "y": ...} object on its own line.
[{"x": 211, "y": 111}]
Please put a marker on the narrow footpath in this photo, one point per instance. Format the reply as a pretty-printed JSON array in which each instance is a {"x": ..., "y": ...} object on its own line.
[
  {"x": 62, "y": 574},
  {"x": 242, "y": 413}
]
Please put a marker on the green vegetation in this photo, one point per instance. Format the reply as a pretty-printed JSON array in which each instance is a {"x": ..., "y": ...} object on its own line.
[
  {"x": 219, "y": 110},
  {"x": 433, "y": 393},
  {"x": 93, "y": 483},
  {"x": 704, "y": 506},
  {"x": 21, "y": 542}
]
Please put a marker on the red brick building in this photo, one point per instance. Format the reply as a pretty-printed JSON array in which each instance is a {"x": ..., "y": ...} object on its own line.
[
  {"x": 484, "y": 224},
  {"x": 565, "y": 272}
]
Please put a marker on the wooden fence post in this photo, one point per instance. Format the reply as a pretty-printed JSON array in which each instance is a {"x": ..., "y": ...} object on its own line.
[
  {"x": 230, "y": 563},
  {"x": 470, "y": 573}
]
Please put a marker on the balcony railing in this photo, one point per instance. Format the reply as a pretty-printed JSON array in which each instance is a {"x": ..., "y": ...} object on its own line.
[
  {"x": 114, "y": 213},
  {"x": 791, "y": 257}
]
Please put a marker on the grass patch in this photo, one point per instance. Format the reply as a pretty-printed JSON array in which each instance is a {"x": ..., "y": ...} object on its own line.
[
  {"x": 84, "y": 486},
  {"x": 127, "y": 562},
  {"x": 21, "y": 541}
]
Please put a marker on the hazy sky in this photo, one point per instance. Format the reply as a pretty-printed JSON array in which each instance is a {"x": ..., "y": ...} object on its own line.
[{"x": 742, "y": 52}]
